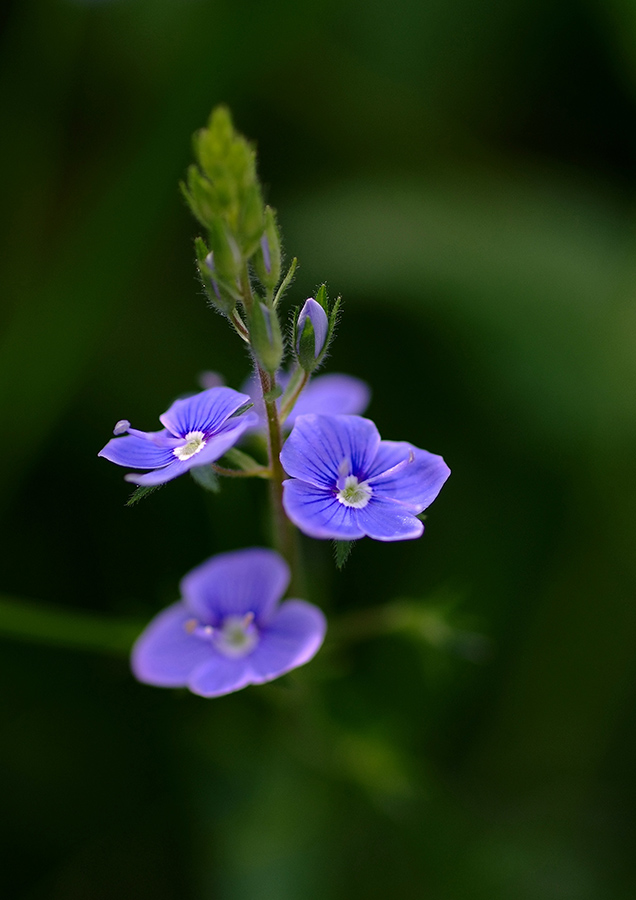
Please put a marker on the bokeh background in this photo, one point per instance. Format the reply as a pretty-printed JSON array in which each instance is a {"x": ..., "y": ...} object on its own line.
[{"x": 464, "y": 174}]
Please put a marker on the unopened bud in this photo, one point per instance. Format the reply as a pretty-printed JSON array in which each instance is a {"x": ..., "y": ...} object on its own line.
[
  {"x": 268, "y": 257},
  {"x": 311, "y": 334},
  {"x": 265, "y": 336}
]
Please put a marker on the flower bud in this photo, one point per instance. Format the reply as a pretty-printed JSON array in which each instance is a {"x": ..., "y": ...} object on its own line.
[
  {"x": 227, "y": 257},
  {"x": 265, "y": 336},
  {"x": 251, "y": 222},
  {"x": 220, "y": 295},
  {"x": 312, "y": 329},
  {"x": 267, "y": 258}
]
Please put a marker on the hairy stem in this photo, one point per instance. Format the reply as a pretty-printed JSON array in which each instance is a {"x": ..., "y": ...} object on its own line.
[
  {"x": 284, "y": 534},
  {"x": 296, "y": 384}
]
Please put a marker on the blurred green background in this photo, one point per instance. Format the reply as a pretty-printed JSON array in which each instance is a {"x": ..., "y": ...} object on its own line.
[{"x": 463, "y": 173}]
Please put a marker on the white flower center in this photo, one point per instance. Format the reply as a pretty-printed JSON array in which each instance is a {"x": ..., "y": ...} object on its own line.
[
  {"x": 195, "y": 441},
  {"x": 354, "y": 493},
  {"x": 237, "y": 636}
]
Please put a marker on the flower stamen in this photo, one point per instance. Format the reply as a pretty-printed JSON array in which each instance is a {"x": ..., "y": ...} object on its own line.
[
  {"x": 354, "y": 493},
  {"x": 195, "y": 442},
  {"x": 237, "y": 636}
]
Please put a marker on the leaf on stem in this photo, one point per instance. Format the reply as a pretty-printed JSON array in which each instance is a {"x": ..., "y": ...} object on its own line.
[
  {"x": 342, "y": 550},
  {"x": 141, "y": 492},
  {"x": 206, "y": 478}
]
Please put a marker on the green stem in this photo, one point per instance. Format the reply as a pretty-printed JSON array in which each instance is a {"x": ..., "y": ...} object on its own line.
[
  {"x": 262, "y": 472},
  {"x": 285, "y": 536},
  {"x": 296, "y": 384}
]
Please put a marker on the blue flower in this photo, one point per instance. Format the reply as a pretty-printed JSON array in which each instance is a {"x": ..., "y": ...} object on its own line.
[
  {"x": 229, "y": 630},
  {"x": 197, "y": 431},
  {"x": 347, "y": 483}
]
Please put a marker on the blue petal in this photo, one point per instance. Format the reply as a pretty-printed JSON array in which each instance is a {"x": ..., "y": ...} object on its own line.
[
  {"x": 318, "y": 513},
  {"x": 220, "y": 675},
  {"x": 159, "y": 476},
  {"x": 333, "y": 395},
  {"x": 415, "y": 484},
  {"x": 136, "y": 452},
  {"x": 165, "y": 654},
  {"x": 387, "y": 520},
  {"x": 291, "y": 639},
  {"x": 318, "y": 444},
  {"x": 234, "y": 584},
  {"x": 318, "y": 318},
  {"x": 206, "y": 411}
]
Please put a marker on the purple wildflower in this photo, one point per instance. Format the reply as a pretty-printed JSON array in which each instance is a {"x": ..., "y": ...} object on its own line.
[
  {"x": 347, "y": 483},
  {"x": 198, "y": 430},
  {"x": 229, "y": 630}
]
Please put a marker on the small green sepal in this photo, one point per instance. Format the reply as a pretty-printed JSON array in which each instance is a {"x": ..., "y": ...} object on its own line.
[
  {"x": 287, "y": 280},
  {"x": 206, "y": 477}
]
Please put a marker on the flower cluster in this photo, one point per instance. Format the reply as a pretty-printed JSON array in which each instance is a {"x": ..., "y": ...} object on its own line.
[{"x": 332, "y": 477}]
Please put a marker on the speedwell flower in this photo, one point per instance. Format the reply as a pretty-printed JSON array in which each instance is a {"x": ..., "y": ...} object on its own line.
[
  {"x": 229, "y": 630},
  {"x": 347, "y": 483},
  {"x": 197, "y": 430}
]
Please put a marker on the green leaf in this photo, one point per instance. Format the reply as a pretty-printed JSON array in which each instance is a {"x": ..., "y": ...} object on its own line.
[
  {"x": 206, "y": 478},
  {"x": 141, "y": 492},
  {"x": 241, "y": 410},
  {"x": 342, "y": 550}
]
